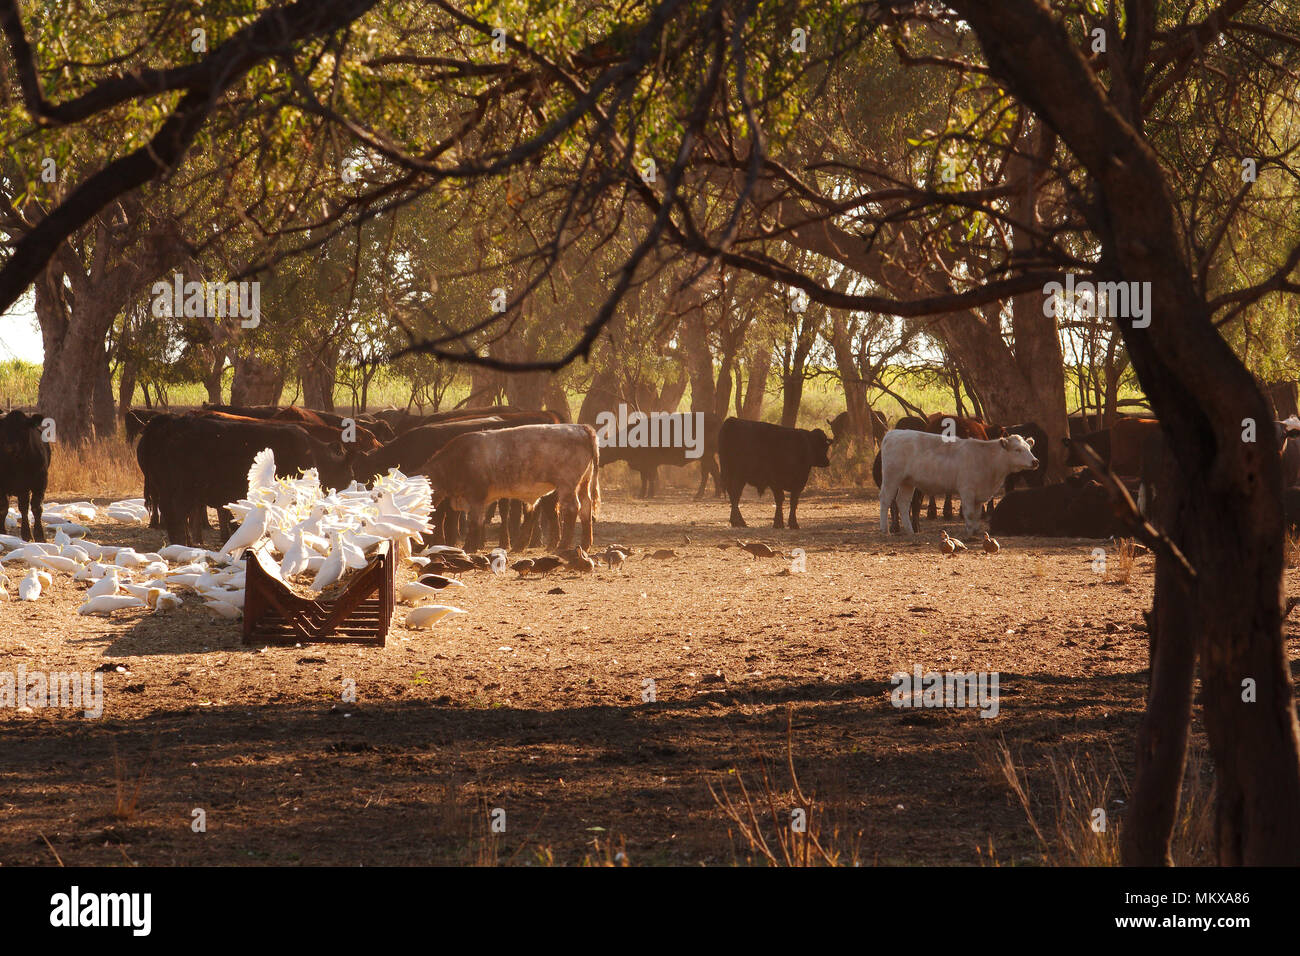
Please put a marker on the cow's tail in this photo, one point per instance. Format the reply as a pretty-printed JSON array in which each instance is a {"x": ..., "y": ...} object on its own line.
[{"x": 593, "y": 487}]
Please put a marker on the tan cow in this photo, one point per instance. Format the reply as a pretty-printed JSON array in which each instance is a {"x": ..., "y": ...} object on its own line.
[{"x": 526, "y": 462}]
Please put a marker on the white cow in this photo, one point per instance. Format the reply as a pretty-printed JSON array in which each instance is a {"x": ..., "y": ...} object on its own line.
[{"x": 938, "y": 465}]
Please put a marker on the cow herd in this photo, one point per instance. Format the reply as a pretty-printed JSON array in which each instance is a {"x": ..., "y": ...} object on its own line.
[{"x": 542, "y": 475}]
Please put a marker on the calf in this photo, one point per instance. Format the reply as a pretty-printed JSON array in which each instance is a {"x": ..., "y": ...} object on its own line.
[
  {"x": 1078, "y": 507},
  {"x": 971, "y": 468},
  {"x": 525, "y": 462},
  {"x": 24, "y": 470},
  {"x": 769, "y": 456}
]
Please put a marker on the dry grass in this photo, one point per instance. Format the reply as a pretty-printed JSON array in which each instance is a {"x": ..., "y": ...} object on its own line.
[
  {"x": 798, "y": 833},
  {"x": 102, "y": 469},
  {"x": 1120, "y": 567},
  {"x": 126, "y": 794},
  {"x": 1070, "y": 830},
  {"x": 1291, "y": 552}
]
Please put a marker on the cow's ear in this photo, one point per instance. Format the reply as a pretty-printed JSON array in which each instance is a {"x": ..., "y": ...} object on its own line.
[
  {"x": 1029, "y": 442},
  {"x": 1004, "y": 442}
]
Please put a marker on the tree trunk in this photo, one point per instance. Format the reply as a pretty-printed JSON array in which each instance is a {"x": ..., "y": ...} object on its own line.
[
  {"x": 760, "y": 367},
  {"x": 1230, "y": 513},
  {"x": 256, "y": 382},
  {"x": 103, "y": 408},
  {"x": 791, "y": 398},
  {"x": 74, "y": 354},
  {"x": 699, "y": 359},
  {"x": 318, "y": 373}
]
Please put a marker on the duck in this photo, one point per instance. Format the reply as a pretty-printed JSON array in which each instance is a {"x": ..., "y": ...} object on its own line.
[
  {"x": 546, "y": 564},
  {"x": 950, "y": 546},
  {"x": 991, "y": 545},
  {"x": 440, "y": 582}
]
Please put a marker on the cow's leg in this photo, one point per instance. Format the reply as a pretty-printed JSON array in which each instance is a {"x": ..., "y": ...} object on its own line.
[
  {"x": 704, "y": 478},
  {"x": 476, "y": 517},
  {"x": 38, "y": 501},
  {"x": 778, "y": 495},
  {"x": 550, "y": 516},
  {"x": 195, "y": 524},
  {"x": 794, "y": 503},
  {"x": 504, "y": 509},
  {"x": 518, "y": 513},
  {"x": 568, "y": 501},
  {"x": 904, "y": 501},
  {"x": 933, "y": 512},
  {"x": 947, "y": 506},
  {"x": 888, "y": 491},
  {"x": 716, "y": 471},
  {"x": 1142, "y": 498},
  {"x": 585, "y": 513},
  {"x": 527, "y": 529},
  {"x": 24, "y": 529},
  {"x": 733, "y": 492},
  {"x": 917, "y": 498}
]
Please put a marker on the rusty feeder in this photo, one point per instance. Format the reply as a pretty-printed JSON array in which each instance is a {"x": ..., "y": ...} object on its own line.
[{"x": 358, "y": 614}]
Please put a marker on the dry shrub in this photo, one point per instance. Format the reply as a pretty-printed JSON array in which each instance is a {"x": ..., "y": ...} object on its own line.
[
  {"x": 762, "y": 817},
  {"x": 1081, "y": 784},
  {"x": 101, "y": 469}
]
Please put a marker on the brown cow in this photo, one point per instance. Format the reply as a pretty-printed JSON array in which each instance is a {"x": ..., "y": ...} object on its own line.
[
  {"x": 525, "y": 462},
  {"x": 365, "y": 441},
  {"x": 1128, "y": 436}
]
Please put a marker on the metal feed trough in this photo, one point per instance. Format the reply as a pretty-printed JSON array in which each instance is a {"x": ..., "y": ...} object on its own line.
[{"x": 358, "y": 614}]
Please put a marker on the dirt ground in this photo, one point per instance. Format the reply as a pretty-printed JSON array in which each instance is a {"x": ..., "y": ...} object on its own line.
[{"x": 532, "y": 704}]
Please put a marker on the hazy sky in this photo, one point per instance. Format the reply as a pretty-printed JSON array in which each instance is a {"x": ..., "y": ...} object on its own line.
[{"x": 19, "y": 336}]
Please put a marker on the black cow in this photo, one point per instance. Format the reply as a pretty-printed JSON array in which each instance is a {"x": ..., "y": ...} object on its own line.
[
  {"x": 1291, "y": 509},
  {"x": 136, "y": 419},
  {"x": 191, "y": 463},
  {"x": 24, "y": 470},
  {"x": 769, "y": 456},
  {"x": 1077, "y": 508},
  {"x": 646, "y": 461},
  {"x": 840, "y": 426},
  {"x": 411, "y": 449},
  {"x": 1098, "y": 441},
  {"x": 1037, "y": 477}
]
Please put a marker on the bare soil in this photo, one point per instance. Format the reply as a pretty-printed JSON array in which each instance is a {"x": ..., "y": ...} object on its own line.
[{"x": 532, "y": 704}]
